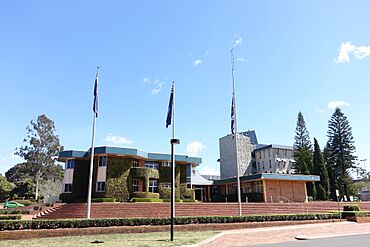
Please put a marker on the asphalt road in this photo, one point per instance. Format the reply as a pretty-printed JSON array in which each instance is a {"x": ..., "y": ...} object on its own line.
[{"x": 354, "y": 241}]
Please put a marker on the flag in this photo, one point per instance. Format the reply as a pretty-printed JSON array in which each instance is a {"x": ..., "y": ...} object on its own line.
[
  {"x": 233, "y": 122},
  {"x": 170, "y": 105},
  {"x": 95, "y": 106}
]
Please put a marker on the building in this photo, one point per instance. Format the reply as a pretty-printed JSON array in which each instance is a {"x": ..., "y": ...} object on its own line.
[
  {"x": 273, "y": 159},
  {"x": 124, "y": 173}
]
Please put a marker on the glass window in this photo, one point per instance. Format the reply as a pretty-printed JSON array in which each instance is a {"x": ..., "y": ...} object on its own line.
[
  {"x": 167, "y": 163},
  {"x": 68, "y": 188},
  {"x": 70, "y": 164},
  {"x": 153, "y": 185},
  {"x": 135, "y": 163},
  {"x": 166, "y": 185},
  {"x": 100, "y": 187},
  {"x": 103, "y": 160},
  {"x": 151, "y": 164},
  {"x": 270, "y": 163},
  {"x": 135, "y": 185}
]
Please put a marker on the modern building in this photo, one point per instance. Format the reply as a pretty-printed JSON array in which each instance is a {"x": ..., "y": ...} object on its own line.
[{"x": 123, "y": 173}]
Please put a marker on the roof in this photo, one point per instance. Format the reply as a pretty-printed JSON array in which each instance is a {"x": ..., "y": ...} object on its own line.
[
  {"x": 198, "y": 179},
  {"x": 263, "y": 146},
  {"x": 127, "y": 152},
  {"x": 271, "y": 176}
]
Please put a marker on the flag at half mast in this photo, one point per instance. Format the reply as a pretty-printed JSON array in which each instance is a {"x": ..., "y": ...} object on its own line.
[
  {"x": 233, "y": 120},
  {"x": 95, "y": 105},
  {"x": 170, "y": 107}
]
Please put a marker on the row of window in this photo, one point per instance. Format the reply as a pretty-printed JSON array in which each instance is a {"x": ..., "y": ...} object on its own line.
[
  {"x": 100, "y": 187},
  {"x": 267, "y": 153},
  {"x": 103, "y": 161}
]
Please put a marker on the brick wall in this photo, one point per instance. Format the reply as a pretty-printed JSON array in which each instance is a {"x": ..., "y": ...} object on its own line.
[{"x": 280, "y": 190}]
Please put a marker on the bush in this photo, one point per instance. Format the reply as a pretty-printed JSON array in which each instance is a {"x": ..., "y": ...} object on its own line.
[
  {"x": 169, "y": 200},
  {"x": 351, "y": 208},
  {"x": 14, "y": 211},
  {"x": 145, "y": 195},
  {"x": 103, "y": 199},
  {"x": 137, "y": 199},
  {"x": 24, "y": 202},
  {"x": 189, "y": 200},
  {"x": 66, "y": 197},
  {"x": 83, "y": 223},
  {"x": 10, "y": 217}
]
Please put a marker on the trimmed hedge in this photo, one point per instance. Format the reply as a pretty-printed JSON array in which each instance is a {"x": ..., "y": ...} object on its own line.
[
  {"x": 145, "y": 195},
  {"x": 351, "y": 208},
  {"x": 103, "y": 199},
  {"x": 356, "y": 214},
  {"x": 14, "y": 211},
  {"x": 10, "y": 217},
  {"x": 83, "y": 223},
  {"x": 136, "y": 199},
  {"x": 169, "y": 200}
]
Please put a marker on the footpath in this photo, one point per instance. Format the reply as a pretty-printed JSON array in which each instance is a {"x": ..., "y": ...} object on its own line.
[{"x": 270, "y": 235}]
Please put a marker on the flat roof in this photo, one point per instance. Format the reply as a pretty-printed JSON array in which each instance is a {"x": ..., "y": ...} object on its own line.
[
  {"x": 263, "y": 146},
  {"x": 271, "y": 176},
  {"x": 63, "y": 155}
]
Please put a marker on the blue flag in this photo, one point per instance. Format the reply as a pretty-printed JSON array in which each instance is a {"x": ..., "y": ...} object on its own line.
[
  {"x": 233, "y": 127},
  {"x": 95, "y": 106},
  {"x": 170, "y": 105}
]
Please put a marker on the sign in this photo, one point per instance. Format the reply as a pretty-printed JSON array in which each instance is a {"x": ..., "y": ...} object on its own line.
[{"x": 337, "y": 192}]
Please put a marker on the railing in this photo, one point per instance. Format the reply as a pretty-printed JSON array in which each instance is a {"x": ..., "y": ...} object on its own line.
[{"x": 304, "y": 209}]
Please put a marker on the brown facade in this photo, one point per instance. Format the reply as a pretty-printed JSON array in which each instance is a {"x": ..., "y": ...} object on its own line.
[{"x": 284, "y": 190}]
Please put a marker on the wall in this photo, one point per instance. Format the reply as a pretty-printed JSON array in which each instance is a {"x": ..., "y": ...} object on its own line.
[{"x": 281, "y": 190}]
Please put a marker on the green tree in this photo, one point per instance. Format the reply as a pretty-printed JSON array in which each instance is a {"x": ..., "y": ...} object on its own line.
[
  {"x": 18, "y": 172},
  {"x": 5, "y": 188},
  {"x": 24, "y": 188},
  {"x": 339, "y": 153},
  {"x": 323, "y": 190},
  {"x": 41, "y": 150},
  {"x": 302, "y": 148}
]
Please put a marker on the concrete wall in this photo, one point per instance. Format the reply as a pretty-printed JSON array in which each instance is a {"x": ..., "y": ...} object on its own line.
[
  {"x": 229, "y": 156},
  {"x": 274, "y": 160},
  {"x": 281, "y": 190}
]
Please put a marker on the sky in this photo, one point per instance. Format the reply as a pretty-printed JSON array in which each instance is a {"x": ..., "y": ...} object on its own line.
[{"x": 290, "y": 56}]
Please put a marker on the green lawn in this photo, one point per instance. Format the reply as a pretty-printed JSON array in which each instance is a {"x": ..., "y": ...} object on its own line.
[{"x": 134, "y": 239}]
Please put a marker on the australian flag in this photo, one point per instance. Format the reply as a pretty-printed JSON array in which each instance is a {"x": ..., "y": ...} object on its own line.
[
  {"x": 95, "y": 106},
  {"x": 233, "y": 122},
  {"x": 170, "y": 105}
]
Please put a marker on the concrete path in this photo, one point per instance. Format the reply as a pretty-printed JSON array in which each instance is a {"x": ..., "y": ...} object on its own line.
[{"x": 270, "y": 235}]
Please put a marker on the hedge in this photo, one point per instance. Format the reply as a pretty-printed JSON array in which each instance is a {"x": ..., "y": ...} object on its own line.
[
  {"x": 145, "y": 195},
  {"x": 351, "y": 208},
  {"x": 10, "y": 217},
  {"x": 14, "y": 211},
  {"x": 103, "y": 199},
  {"x": 138, "y": 199},
  {"x": 356, "y": 213},
  {"x": 83, "y": 223}
]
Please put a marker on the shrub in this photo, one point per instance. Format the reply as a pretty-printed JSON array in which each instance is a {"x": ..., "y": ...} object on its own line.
[
  {"x": 14, "y": 211},
  {"x": 83, "y": 223},
  {"x": 136, "y": 199},
  {"x": 10, "y": 217},
  {"x": 351, "y": 208},
  {"x": 145, "y": 195},
  {"x": 103, "y": 199},
  {"x": 169, "y": 200},
  {"x": 189, "y": 200},
  {"x": 24, "y": 202},
  {"x": 66, "y": 197}
]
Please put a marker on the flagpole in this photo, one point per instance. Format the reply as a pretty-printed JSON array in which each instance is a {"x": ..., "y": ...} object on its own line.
[
  {"x": 236, "y": 135},
  {"x": 88, "y": 211}
]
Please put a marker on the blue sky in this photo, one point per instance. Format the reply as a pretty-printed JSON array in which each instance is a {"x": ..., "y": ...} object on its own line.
[{"x": 291, "y": 56}]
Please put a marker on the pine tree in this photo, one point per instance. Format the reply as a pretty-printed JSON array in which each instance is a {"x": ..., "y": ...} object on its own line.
[
  {"x": 302, "y": 148},
  {"x": 339, "y": 153},
  {"x": 323, "y": 191}
]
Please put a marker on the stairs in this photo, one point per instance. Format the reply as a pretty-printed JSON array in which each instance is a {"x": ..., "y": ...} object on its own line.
[{"x": 129, "y": 210}]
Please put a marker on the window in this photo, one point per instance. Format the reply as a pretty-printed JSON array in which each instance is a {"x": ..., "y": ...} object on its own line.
[
  {"x": 70, "y": 164},
  {"x": 270, "y": 163},
  {"x": 167, "y": 163},
  {"x": 151, "y": 164},
  {"x": 100, "y": 187},
  {"x": 269, "y": 153},
  {"x": 135, "y": 185},
  {"x": 166, "y": 185},
  {"x": 153, "y": 185},
  {"x": 103, "y": 160},
  {"x": 135, "y": 163},
  {"x": 67, "y": 188}
]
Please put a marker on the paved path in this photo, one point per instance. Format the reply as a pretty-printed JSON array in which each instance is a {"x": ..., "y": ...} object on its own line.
[{"x": 270, "y": 235}]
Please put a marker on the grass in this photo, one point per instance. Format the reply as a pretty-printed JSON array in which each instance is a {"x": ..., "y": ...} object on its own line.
[{"x": 130, "y": 240}]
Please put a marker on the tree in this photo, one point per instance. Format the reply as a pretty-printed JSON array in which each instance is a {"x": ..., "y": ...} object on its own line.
[
  {"x": 41, "y": 149},
  {"x": 323, "y": 190},
  {"x": 18, "y": 172},
  {"x": 302, "y": 148},
  {"x": 5, "y": 188},
  {"x": 339, "y": 153}
]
